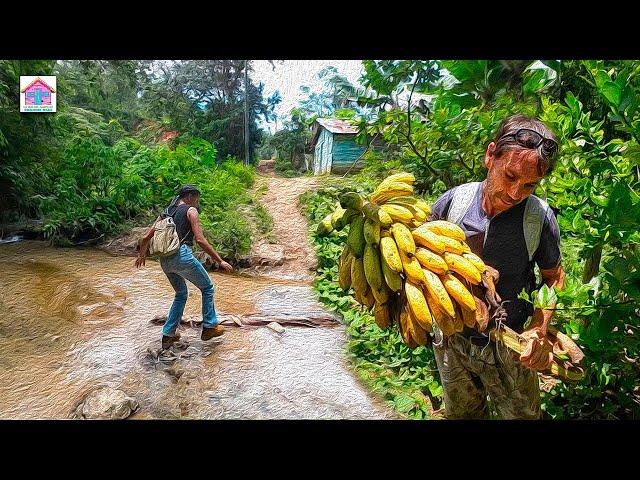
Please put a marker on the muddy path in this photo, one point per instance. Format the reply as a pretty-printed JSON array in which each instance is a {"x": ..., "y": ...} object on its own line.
[
  {"x": 72, "y": 320},
  {"x": 290, "y": 230}
]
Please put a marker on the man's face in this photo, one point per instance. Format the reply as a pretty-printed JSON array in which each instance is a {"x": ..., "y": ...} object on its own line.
[
  {"x": 193, "y": 200},
  {"x": 511, "y": 178}
]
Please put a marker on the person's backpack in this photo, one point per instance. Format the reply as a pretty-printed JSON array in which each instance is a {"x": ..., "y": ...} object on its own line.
[
  {"x": 532, "y": 221},
  {"x": 165, "y": 241}
]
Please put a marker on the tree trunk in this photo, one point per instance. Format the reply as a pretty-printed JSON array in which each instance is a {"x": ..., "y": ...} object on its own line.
[{"x": 592, "y": 264}]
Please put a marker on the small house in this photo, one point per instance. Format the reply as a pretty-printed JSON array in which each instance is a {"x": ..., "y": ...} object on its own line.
[
  {"x": 334, "y": 147},
  {"x": 37, "y": 93}
]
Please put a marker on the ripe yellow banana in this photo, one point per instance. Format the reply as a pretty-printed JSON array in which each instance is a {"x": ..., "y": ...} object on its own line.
[
  {"x": 418, "y": 214},
  {"x": 468, "y": 317},
  {"x": 418, "y": 306},
  {"x": 428, "y": 239},
  {"x": 390, "y": 254},
  {"x": 397, "y": 212},
  {"x": 431, "y": 261},
  {"x": 458, "y": 292},
  {"x": 458, "y": 322},
  {"x": 438, "y": 292},
  {"x": 424, "y": 206},
  {"x": 404, "y": 328},
  {"x": 464, "y": 267},
  {"x": 440, "y": 317},
  {"x": 408, "y": 200},
  {"x": 411, "y": 268},
  {"x": 453, "y": 246},
  {"x": 476, "y": 260},
  {"x": 448, "y": 229},
  {"x": 402, "y": 177},
  {"x": 391, "y": 190},
  {"x": 419, "y": 334},
  {"x": 404, "y": 239}
]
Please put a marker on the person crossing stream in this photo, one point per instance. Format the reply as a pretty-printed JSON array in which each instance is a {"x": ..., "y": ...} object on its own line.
[{"x": 73, "y": 320}]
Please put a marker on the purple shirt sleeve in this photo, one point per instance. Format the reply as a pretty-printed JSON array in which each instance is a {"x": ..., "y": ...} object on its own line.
[
  {"x": 548, "y": 254},
  {"x": 440, "y": 208}
]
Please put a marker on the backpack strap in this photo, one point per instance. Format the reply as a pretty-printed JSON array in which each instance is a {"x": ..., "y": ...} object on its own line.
[
  {"x": 532, "y": 223},
  {"x": 173, "y": 205},
  {"x": 463, "y": 196}
]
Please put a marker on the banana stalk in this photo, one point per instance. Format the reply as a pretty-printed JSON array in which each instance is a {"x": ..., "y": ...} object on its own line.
[{"x": 514, "y": 342}]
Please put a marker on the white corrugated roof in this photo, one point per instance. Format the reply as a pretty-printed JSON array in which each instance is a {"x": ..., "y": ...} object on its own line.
[{"x": 337, "y": 126}]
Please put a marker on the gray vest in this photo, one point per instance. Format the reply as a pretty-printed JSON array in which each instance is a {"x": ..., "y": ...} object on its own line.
[{"x": 532, "y": 220}]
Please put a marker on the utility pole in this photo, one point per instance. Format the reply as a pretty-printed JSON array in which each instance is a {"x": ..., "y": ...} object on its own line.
[{"x": 246, "y": 115}]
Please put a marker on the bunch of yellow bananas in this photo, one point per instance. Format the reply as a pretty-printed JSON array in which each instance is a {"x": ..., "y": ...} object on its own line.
[{"x": 407, "y": 269}]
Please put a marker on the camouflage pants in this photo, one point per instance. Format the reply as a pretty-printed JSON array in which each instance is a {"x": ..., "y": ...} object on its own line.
[{"x": 469, "y": 373}]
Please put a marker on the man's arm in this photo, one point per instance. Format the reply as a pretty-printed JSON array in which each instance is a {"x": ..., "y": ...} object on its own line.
[
  {"x": 538, "y": 355},
  {"x": 198, "y": 236},
  {"x": 549, "y": 259},
  {"x": 538, "y": 352},
  {"x": 553, "y": 277},
  {"x": 143, "y": 246}
]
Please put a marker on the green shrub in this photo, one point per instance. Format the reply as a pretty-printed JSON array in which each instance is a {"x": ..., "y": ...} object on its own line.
[
  {"x": 245, "y": 174},
  {"x": 228, "y": 232},
  {"x": 285, "y": 168},
  {"x": 96, "y": 187}
]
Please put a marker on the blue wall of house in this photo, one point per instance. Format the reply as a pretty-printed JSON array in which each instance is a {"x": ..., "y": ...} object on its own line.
[
  {"x": 345, "y": 150},
  {"x": 322, "y": 153}
]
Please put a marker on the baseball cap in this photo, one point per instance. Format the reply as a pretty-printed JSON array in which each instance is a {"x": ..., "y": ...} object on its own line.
[{"x": 188, "y": 189}]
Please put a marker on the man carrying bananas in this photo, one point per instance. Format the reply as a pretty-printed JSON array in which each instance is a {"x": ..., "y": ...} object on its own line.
[{"x": 511, "y": 230}]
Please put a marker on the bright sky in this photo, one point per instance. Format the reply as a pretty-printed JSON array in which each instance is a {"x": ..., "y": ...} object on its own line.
[{"x": 289, "y": 75}]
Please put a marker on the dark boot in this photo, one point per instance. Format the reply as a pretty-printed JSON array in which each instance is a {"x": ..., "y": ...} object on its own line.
[
  {"x": 209, "y": 333},
  {"x": 168, "y": 341}
]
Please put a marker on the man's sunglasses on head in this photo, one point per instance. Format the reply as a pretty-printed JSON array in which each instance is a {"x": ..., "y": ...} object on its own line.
[{"x": 528, "y": 138}]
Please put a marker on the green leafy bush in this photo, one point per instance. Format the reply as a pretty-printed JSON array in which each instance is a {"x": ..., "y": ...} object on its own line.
[{"x": 129, "y": 179}]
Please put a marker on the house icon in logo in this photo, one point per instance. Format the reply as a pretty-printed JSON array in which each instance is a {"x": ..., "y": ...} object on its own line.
[{"x": 38, "y": 92}]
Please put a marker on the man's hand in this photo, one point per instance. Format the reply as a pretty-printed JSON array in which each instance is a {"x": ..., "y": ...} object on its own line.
[
  {"x": 538, "y": 354},
  {"x": 140, "y": 260},
  {"x": 143, "y": 246},
  {"x": 225, "y": 266}
]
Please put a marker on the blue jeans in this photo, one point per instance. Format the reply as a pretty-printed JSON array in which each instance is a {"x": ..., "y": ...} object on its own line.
[{"x": 183, "y": 265}]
